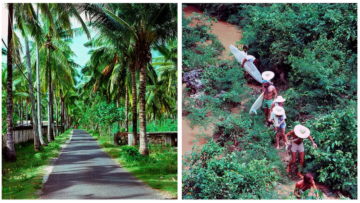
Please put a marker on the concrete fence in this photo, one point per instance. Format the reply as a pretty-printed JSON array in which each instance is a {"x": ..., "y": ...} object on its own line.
[
  {"x": 158, "y": 138},
  {"x": 25, "y": 133}
]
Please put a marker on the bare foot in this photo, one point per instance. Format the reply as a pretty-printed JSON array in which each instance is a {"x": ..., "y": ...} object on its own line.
[
  {"x": 277, "y": 147},
  {"x": 288, "y": 169}
]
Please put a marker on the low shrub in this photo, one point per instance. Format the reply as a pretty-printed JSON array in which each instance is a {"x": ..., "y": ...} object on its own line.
[
  {"x": 214, "y": 175},
  {"x": 335, "y": 160}
]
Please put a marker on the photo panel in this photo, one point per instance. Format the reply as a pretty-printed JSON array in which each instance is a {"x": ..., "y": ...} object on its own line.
[{"x": 269, "y": 101}]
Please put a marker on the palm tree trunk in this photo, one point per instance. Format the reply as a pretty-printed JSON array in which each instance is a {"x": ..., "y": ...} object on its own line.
[
  {"x": 62, "y": 112},
  {"x": 50, "y": 134},
  {"x": 126, "y": 109},
  {"x": 142, "y": 113},
  {"x": 26, "y": 112},
  {"x": 56, "y": 117},
  {"x": 118, "y": 104},
  {"x": 42, "y": 142},
  {"x": 10, "y": 150},
  {"x": 133, "y": 82},
  {"x": 52, "y": 111},
  {"x": 65, "y": 120},
  {"x": 32, "y": 97},
  {"x": 21, "y": 110}
]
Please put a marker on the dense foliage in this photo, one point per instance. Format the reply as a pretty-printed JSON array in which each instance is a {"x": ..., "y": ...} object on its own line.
[
  {"x": 213, "y": 175},
  {"x": 315, "y": 46},
  {"x": 101, "y": 115},
  {"x": 336, "y": 159},
  {"x": 162, "y": 125},
  {"x": 304, "y": 40}
]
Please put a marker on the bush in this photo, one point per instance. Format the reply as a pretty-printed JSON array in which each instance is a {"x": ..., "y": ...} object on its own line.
[
  {"x": 212, "y": 175},
  {"x": 335, "y": 160},
  {"x": 131, "y": 154},
  {"x": 312, "y": 44}
]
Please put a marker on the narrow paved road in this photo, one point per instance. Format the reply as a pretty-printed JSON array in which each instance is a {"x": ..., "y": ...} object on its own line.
[{"x": 85, "y": 171}]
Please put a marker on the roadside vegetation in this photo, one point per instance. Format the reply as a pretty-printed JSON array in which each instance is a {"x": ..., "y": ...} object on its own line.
[
  {"x": 158, "y": 170},
  {"x": 23, "y": 179},
  {"x": 313, "y": 45}
]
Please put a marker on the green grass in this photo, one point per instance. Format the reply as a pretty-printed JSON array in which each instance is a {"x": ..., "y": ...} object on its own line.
[
  {"x": 21, "y": 179},
  {"x": 158, "y": 170}
]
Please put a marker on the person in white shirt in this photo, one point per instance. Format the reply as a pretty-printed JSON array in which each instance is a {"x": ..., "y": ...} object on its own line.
[
  {"x": 244, "y": 51},
  {"x": 278, "y": 116}
]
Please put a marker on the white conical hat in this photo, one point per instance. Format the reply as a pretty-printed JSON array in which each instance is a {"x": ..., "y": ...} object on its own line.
[
  {"x": 268, "y": 75},
  {"x": 279, "y": 99},
  {"x": 301, "y": 131},
  {"x": 278, "y": 110}
]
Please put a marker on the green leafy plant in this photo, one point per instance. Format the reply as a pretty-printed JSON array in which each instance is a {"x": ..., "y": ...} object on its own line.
[{"x": 214, "y": 175}]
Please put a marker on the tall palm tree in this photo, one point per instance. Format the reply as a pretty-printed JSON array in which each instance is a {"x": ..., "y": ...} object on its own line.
[
  {"x": 62, "y": 28},
  {"x": 27, "y": 24},
  {"x": 116, "y": 53},
  {"x": 147, "y": 24},
  {"x": 10, "y": 150},
  {"x": 154, "y": 24}
]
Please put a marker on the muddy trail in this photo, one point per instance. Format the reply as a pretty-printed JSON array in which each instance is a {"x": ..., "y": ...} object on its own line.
[{"x": 227, "y": 34}]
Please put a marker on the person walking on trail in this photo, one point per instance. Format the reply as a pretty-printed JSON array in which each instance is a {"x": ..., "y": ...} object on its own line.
[
  {"x": 268, "y": 75},
  {"x": 278, "y": 117},
  {"x": 305, "y": 184},
  {"x": 252, "y": 59},
  {"x": 279, "y": 101},
  {"x": 269, "y": 93},
  {"x": 299, "y": 133}
]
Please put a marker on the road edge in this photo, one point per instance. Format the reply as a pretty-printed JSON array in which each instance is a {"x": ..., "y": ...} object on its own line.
[{"x": 51, "y": 163}]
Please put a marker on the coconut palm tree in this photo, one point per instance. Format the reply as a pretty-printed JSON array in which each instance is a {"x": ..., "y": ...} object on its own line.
[
  {"x": 10, "y": 150},
  {"x": 28, "y": 25},
  {"x": 118, "y": 57},
  {"x": 147, "y": 25},
  {"x": 154, "y": 24},
  {"x": 61, "y": 14}
]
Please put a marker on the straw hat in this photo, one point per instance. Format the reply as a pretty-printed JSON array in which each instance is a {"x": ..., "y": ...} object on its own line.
[
  {"x": 301, "y": 131},
  {"x": 279, "y": 99},
  {"x": 268, "y": 75},
  {"x": 278, "y": 110}
]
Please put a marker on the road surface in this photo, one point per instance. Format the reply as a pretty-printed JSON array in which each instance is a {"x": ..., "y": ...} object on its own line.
[{"x": 84, "y": 171}]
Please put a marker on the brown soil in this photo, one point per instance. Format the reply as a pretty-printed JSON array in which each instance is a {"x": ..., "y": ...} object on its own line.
[
  {"x": 226, "y": 32},
  {"x": 189, "y": 135}
]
